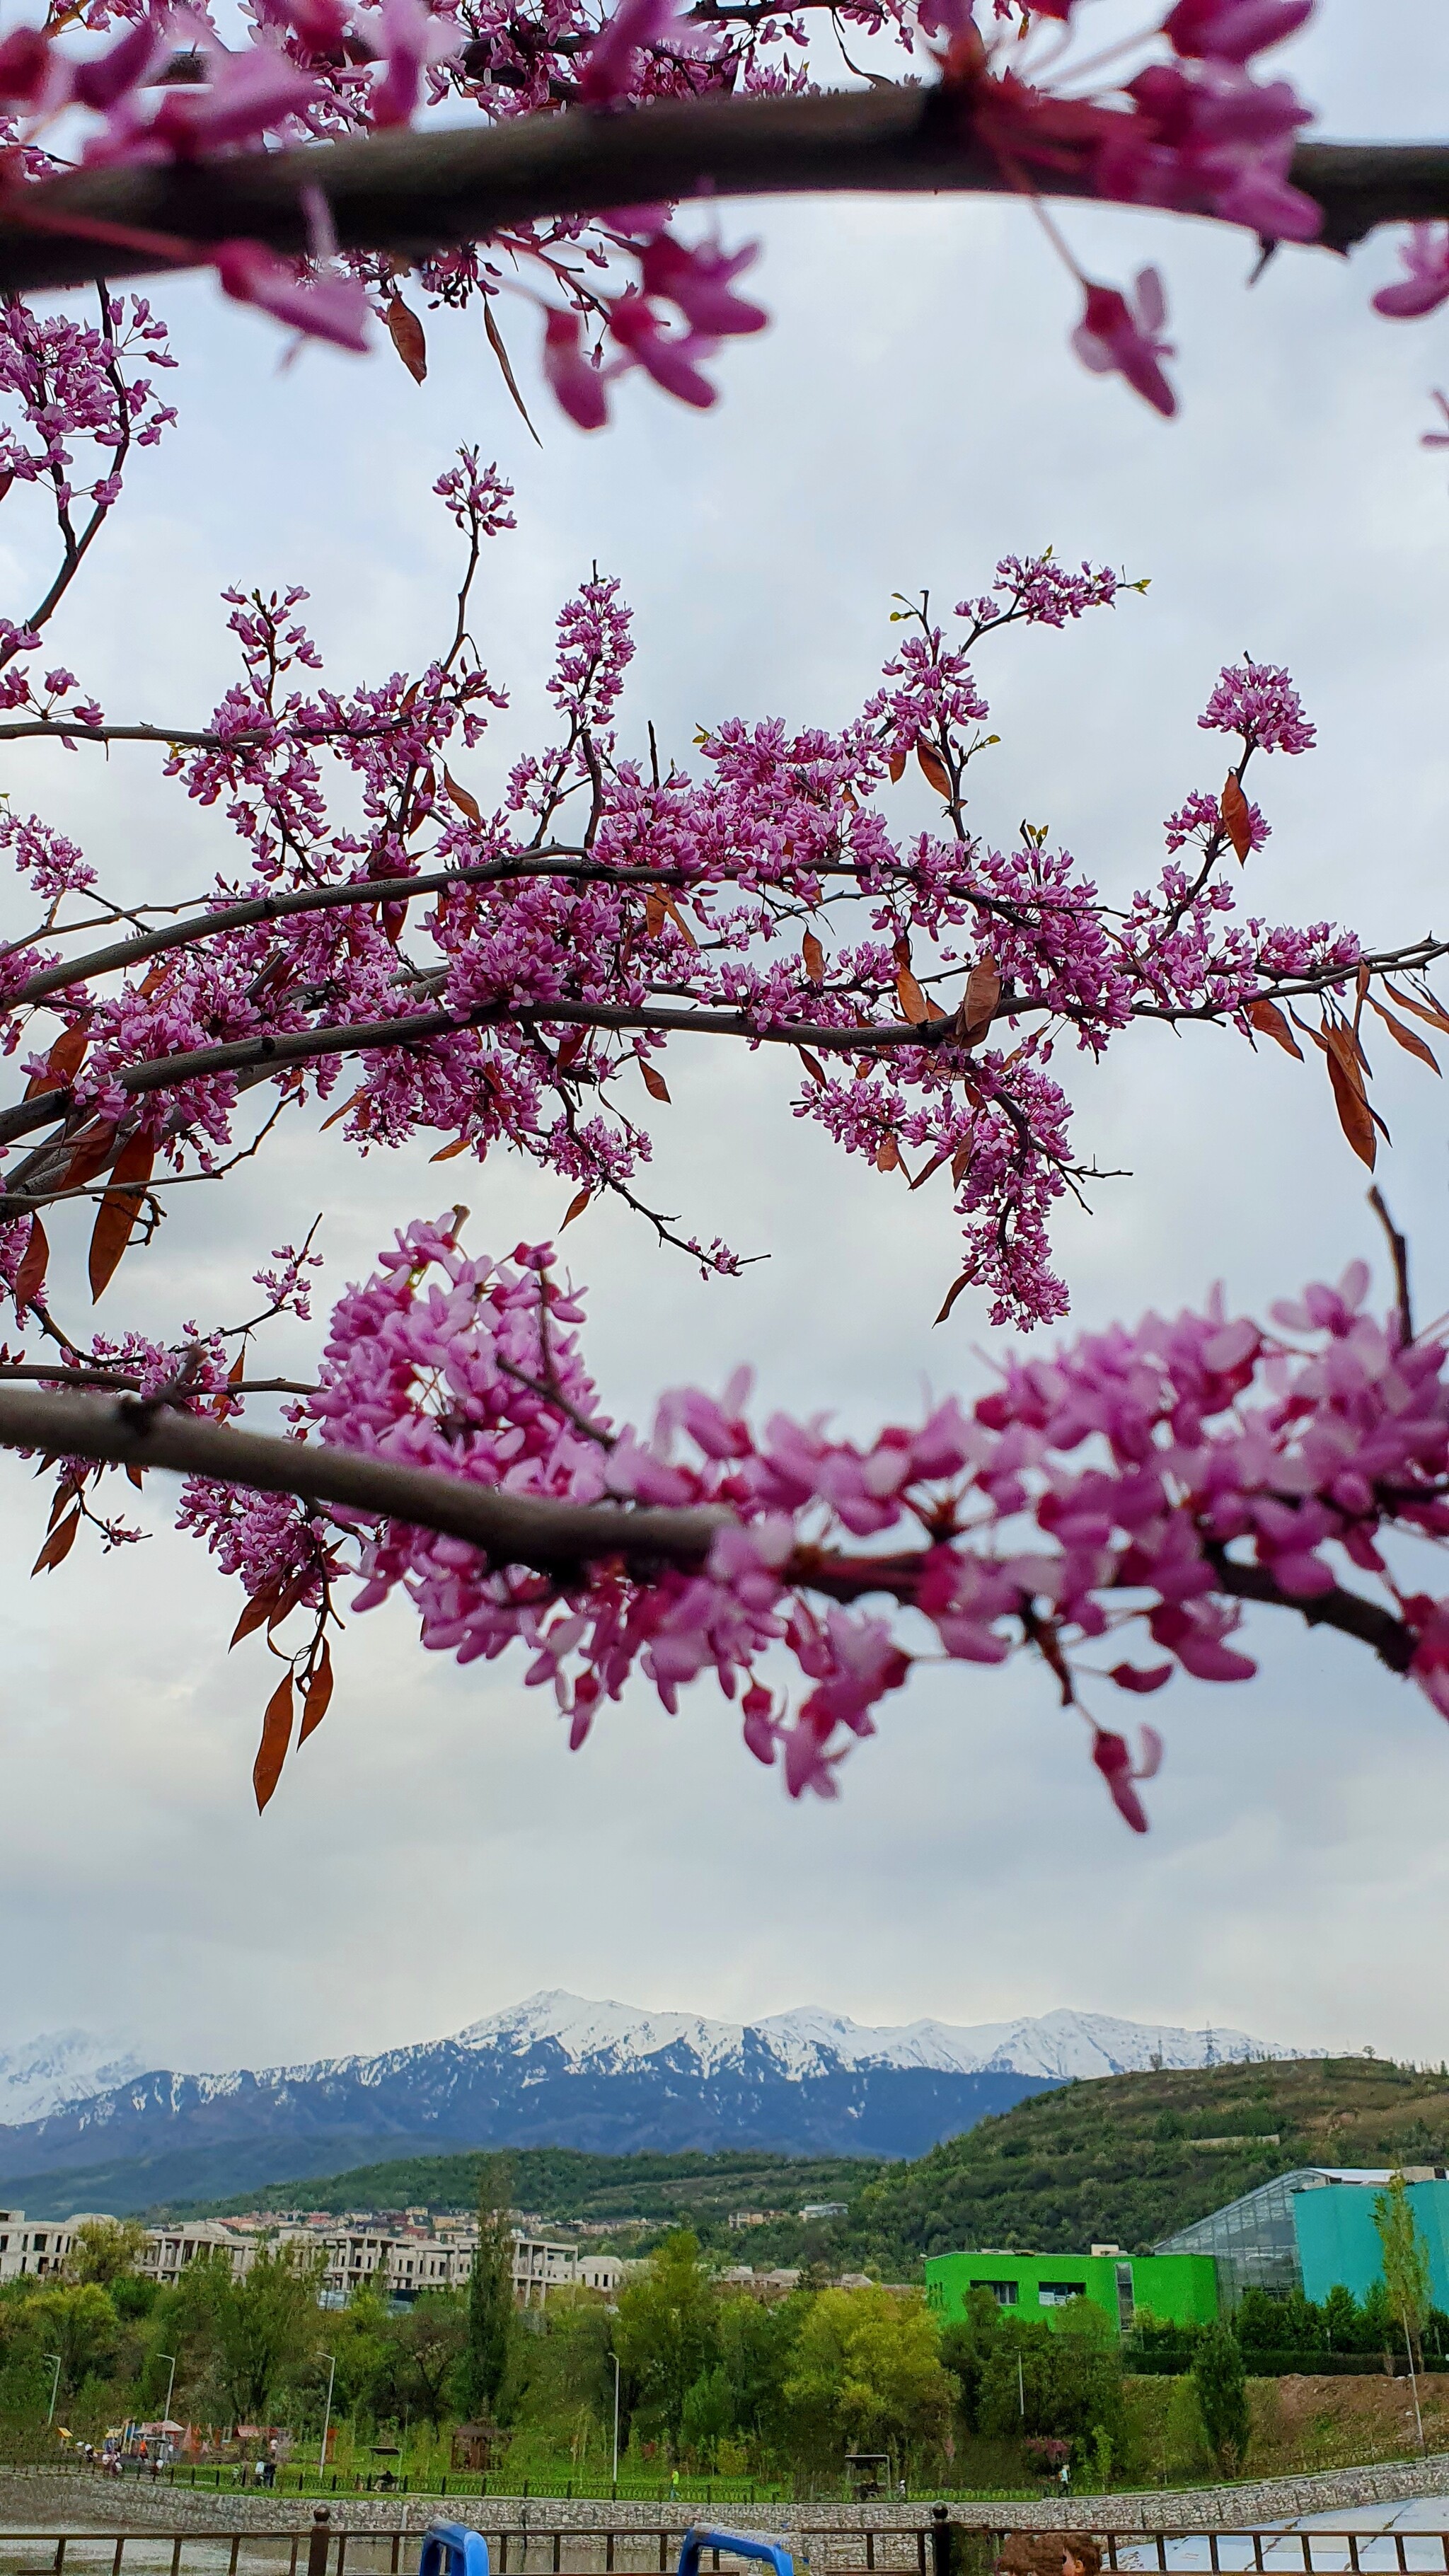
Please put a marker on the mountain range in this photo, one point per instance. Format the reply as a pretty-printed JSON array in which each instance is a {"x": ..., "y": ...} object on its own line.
[{"x": 86, "y": 2128}]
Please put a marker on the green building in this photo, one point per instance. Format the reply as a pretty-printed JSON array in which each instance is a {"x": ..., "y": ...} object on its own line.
[{"x": 1179, "y": 2289}]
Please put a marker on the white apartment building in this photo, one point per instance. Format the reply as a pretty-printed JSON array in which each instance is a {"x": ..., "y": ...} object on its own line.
[
  {"x": 400, "y": 2265},
  {"x": 40, "y": 2248},
  {"x": 168, "y": 2250}
]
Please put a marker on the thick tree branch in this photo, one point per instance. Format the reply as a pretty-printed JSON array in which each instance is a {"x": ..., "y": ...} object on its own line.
[
  {"x": 410, "y": 193},
  {"x": 556, "y": 859},
  {"x": 261, "y": 1056},
  {"x": 1370, "y": 1621},
  {"x": 510, "y": 1529}
]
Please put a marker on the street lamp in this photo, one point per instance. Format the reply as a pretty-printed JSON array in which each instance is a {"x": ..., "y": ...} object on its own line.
[
  {"x": 170, "y": 2384},
  {"x": 327, "y": 2415},
  {"x": 615, "y": 2360},
  {"x": 55, "y": 2383}
]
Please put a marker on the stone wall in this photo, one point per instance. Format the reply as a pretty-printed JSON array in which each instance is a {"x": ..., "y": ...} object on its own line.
[{"x": 822, "y": 2536}]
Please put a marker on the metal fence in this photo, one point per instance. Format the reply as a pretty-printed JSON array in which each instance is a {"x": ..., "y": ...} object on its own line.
[{"x": 329, "y": 2549}]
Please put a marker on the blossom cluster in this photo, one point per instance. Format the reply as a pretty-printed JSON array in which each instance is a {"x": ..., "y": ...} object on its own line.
[
  {"x": 1123, "y": 1493},
  {"x": 925, "y": 979}
]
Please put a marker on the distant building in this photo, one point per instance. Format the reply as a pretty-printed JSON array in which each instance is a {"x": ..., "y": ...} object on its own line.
[
  {"x": 39, "y": 2249},
  {"x": 1177, "y": 2288},
  {"x": 1312, "y": 2228},
  {"x": 168, "y": 2250},
  {"x": 825, "y": 2209}
]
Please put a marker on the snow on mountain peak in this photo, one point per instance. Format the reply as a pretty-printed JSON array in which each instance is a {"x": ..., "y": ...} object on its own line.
[
  {"x": 59, "y": 2067},
  {"x": 809, "y": 2040}
]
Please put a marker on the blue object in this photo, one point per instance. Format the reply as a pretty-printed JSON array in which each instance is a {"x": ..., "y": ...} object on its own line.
[
  {"x": 451, "y": 2549},
  {"x": 740, "y": 2544}
]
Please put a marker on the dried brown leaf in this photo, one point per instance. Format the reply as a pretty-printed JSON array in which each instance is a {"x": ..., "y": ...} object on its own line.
[
  {"x": 654, "y": 1083},
  {"x": 58, "y": 1546},
  {"x": 116, "y": 1216},
  {"x": 463, "y": 797},
  {"x": 1237, "y": 817},
  {"x": 317, "y": 1695},
  {"x": 445, "y": 1153},
  {"x": 1353, "y": 1111},
  {"x": 577, "y": 1206},
  {"x": 913, "y": 1002},
  {"x": 407, "y": 336},
  {"x": 934, "y": 770},
  {"x": 1409, "y": 1039},
  {"x": 813, "y": 1065},
  {"x": 1270, "y": 1022},
  {"x": 276, "y": 1737},
  {"x": 30, "y": 1277},
  {"x": 954, "y": 1291}
]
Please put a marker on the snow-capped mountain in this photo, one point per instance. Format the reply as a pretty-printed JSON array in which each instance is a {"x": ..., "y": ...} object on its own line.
[
  {"x": 559, "y": 2071},
  {"x": 61, "y": 2066}
]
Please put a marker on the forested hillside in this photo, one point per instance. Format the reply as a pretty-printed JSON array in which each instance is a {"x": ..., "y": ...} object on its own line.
[
  {"x": 562, "y": 2182},
  {"x": 1128, "y": 2159}
]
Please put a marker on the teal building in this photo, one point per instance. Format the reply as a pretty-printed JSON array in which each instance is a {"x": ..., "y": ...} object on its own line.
[
  {"x": 1178, "y": 2289},
  {"x": 1313, "y": 2228}
]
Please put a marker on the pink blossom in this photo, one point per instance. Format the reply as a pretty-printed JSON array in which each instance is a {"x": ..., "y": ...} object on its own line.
[
  {"x": 1425, "y": 255},
  {"x": 667, "y": 357},
  {"x": 578, "y": 385},
  {"x": 1258, "y": 701},
  {"x": 1231, "y": 31},
  {"x": 1113, "y": 337},
  {"x": 699, "y": 282},
  {"x": 606, "y": 69},
  {"x": 328, "y": 308}
]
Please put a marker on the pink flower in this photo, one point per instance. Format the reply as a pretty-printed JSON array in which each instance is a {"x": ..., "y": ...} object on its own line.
[
  {"x": 247, "y": 96},
  {"x": 1113, "y": 1759},
  {"x": 1112, "y": 339},
  {"x": 1425, "y": 255},
  {"x": 607, "y": 70},
  {"x": 578, "y": 385},
  {"x": 1231, "y": 30},
  {"x": 699, "y": 282},
  {"x": 668, "y": 360},
  {"x": 408, "y": 39},
  {"x": 31, "y": 74},
  {"x": 329, "y": 308}
]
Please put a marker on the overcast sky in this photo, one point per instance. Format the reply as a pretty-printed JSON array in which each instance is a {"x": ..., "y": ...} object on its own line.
[{"x": 913, "y": 413}]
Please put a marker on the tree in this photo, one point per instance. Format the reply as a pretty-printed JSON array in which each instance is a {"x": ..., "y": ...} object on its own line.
[
  {"x": 1222, "y": 2396},
  {"x": 433, "y": 2339},
  {"x": 268, "y": 2329},
  {"x": 1406, "y": 2276},
  {"x": 488, "y": 2349},
  {"x": 78, "y": 2324},
  {"x": 105, "y": 2251},
  {"x": 866, "y": 2375},
  {"x": 1343, "y": 2324},
  {"x": 609, "y": 908},
  {"x": 666, "y": 2336}
]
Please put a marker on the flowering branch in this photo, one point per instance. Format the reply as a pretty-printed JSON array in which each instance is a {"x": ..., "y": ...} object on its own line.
[
  {"x": 1158, "y": 1477},
  {"x": 406, "y": 194}
]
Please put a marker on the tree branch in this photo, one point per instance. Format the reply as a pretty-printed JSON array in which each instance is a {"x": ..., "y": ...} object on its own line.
[
  {"x": 410, "y": 193},
  {"x": 510, "y": 1529}
]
